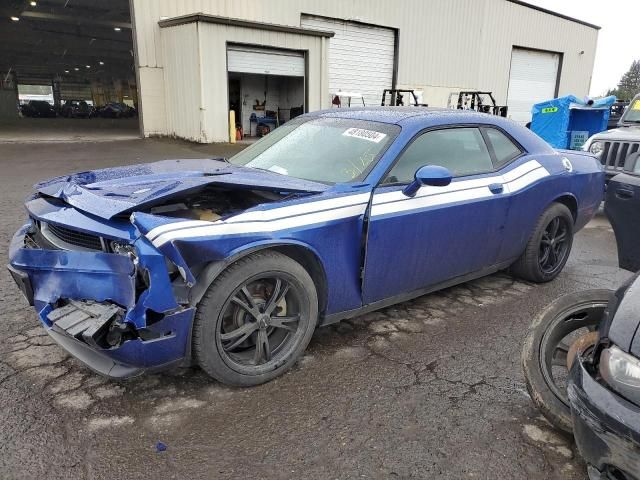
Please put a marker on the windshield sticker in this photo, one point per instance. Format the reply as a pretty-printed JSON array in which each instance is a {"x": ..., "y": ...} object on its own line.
[
  {"x": 277, "y": 169},
  {"x": 370, "y": 135},
  {"x": 636, "y": 105}
]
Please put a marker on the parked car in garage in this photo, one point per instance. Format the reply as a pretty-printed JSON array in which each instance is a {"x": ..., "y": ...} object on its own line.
[
  {"x": 616, "y": 147},
  {"x": 231, "y": 265},
  {"x": 581, "y": 357},
  {"x": 76, "y": 109},
  {"x": 116, "y": 110},
  {"x": 38, "y": 108}
]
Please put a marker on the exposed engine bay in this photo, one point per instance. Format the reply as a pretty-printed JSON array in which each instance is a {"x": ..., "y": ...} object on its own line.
[{"x": 211, "y": 204}]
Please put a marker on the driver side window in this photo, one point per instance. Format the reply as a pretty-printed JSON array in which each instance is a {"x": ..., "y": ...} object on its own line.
[{"x": 461, "y": 150}]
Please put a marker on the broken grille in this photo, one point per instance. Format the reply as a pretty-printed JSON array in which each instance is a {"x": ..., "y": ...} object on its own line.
[
  {"x": 69, "y": 239},
  {"x": 615, "y": 154}
]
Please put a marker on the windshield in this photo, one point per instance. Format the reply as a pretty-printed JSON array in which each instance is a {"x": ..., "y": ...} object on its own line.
[
  {"x": 326, "y": 150},
  {"x": 632, "y": 114}
]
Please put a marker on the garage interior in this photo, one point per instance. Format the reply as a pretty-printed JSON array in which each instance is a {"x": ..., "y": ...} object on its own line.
[
  {"x": 266, "y": 88},
  {"x": 62, "y": 51}
]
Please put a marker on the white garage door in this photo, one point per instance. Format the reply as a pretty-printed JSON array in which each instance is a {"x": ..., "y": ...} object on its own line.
[
  {"x": 533, "y": 79},
  {"x": 265, "y": 61},
  {"x": 360, "y": 57}
]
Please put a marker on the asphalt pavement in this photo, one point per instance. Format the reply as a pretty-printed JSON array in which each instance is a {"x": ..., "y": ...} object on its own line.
[{"x": 430, "y": 388}]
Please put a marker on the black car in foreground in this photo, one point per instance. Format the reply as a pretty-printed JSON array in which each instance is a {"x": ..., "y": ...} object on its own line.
[
  {"x": 38, "y": 109},
  {"x": 581, "y": 357},
  {"x": 604, "y": 391}
]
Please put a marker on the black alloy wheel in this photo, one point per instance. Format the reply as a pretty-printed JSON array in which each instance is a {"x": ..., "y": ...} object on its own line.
[
  {"x": 255, "y": 320},
  {"x": 554, "y": 245},
  {"x": 548, "y": 247},
  {"x": 260, "y": 322}
]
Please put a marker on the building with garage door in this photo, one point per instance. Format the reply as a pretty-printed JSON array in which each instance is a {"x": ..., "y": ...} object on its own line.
[{"x": 271, "y": 61}]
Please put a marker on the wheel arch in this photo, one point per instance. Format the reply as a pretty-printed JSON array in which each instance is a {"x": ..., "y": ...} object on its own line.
[
  {"x": 302, "y": 253},
  {"x": 570, "y": 201}
]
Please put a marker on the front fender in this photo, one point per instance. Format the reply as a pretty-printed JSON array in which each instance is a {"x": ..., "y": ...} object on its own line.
[{"x": 213, "y": 269}]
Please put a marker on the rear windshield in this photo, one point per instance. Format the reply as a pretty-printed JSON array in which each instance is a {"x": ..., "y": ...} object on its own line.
[{"x": 326, "y": 150}]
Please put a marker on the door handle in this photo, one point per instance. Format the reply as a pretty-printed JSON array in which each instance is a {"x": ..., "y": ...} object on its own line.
[
  {"x": 624, "y": 193},
  {"x": 496, "y": 188}
]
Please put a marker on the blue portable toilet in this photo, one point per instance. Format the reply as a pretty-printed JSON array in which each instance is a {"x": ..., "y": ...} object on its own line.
[{"x": 567, "y": 122}]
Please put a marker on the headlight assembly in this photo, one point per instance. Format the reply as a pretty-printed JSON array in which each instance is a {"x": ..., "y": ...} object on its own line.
[
  {"x": 123, "y": 249},
  {"x": 621, "y": 371},
  {"x": 596, "y": 147}
]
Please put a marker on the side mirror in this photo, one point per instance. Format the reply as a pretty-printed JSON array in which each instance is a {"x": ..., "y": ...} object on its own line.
[{"x": 431, "y": 175}]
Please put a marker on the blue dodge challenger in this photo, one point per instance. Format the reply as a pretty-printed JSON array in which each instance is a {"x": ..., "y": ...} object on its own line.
[{"x": 232, "y": 264}]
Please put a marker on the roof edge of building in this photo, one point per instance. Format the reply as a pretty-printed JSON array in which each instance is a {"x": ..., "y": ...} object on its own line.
[
  {"x": 555, "y": 14},
  {"x": 237, "y": 22}
]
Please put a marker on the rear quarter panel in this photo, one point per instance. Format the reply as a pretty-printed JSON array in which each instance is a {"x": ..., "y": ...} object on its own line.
[{"x": 582, "y": 183}]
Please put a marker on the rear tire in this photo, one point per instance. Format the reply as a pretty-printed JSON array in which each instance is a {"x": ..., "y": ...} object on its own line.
[
  {"x": 548, "y": 248},
  {"x": 255, "y": 320}
]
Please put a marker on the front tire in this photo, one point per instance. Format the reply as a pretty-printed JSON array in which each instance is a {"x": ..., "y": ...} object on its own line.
[
  {"x": 548, "y": 248},
  {"x": 255, "y": 320}
]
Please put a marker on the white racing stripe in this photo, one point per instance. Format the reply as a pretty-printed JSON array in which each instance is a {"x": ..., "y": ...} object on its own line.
[
  {"x": 528, "y": 179},
  {"x": 300, "y": 209},
  {"x": 153, "y": 233},
  {"x": 222, "y": 228},
  {"x": 461, "y": 185},
  {"x": 321, "y": 211},
  {"x": 266, "y": 215},
  {"x": 438, "y": 197}
]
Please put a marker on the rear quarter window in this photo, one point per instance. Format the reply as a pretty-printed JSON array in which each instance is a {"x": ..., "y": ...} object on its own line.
[{"x": 503, "y": 147}]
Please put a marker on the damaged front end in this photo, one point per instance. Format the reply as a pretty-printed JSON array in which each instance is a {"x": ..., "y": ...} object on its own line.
[
  {"x": 102, "y": 289},
  {"x": 105, "y": 296}
]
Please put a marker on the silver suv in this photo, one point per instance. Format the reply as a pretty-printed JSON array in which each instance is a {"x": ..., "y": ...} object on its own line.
[{"x": 618, "y": 149}]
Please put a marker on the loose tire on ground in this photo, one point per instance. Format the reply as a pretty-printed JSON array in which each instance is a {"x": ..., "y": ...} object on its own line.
[
  {"x": 566, "y": 315},
  {"x": 528, "y": 266},
  {"x": 230, "y": 292}
]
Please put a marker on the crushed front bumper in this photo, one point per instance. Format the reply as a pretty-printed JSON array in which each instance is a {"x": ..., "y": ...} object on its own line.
[
  {"x": 606, "y": 427},
  {"x": 53, "y": 281}
]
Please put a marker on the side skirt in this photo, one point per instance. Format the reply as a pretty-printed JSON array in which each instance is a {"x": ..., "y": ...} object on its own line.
[{"x": 403, "y": 297}]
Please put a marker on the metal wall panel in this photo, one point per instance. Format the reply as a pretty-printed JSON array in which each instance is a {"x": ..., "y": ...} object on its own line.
[
  {"x": 214, "y": 39},
  {"x": 361, "y": 57},
  {"x": 182, "y": 81},
  {"x": 195, "y": 75},
  {"x": 508, "y": 24},
  {"x": 265, "y": 61},
  {"x": 444, "y": 45}
]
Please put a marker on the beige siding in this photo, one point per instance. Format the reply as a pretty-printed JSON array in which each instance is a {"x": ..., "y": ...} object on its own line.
[
  {"x": 444, "y": 45},
  {"x": 195, "y": 78},
  {"x": 182, "y": 81},
  {"x": 509, "y": 24}
]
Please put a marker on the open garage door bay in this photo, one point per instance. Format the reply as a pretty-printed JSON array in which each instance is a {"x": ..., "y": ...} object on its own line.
[
  {"x": 361, "y": 57},
  {"x": 67, "y": 71},
  {"x": 533, "y": 78}
]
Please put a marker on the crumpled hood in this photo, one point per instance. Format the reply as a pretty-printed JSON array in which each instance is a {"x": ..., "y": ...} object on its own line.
[
  {"x": 113, "y": 191},
  {"x": 621, "y": 133}
]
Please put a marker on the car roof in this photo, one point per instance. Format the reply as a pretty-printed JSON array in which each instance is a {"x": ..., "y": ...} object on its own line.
[
  {"x": 418, "y": 118},
  {"x": 408, "y": 115}
]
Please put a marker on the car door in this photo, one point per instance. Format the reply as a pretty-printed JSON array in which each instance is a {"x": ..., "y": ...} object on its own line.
[
  {"x": 442, "y": 232},
  {"x": 622, "y": 206}
]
